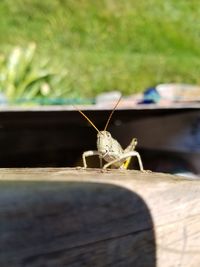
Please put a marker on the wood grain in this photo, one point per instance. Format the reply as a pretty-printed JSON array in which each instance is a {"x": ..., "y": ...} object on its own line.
[{"x": 75, "y": 217}]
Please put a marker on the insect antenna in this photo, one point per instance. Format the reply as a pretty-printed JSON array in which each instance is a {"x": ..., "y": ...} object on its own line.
[
  {"x": 87, "y": 119},
  {"x": 109, "y": 118}
]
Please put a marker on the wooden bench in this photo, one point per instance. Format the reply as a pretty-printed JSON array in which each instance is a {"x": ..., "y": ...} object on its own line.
[{"x": 75, "y": 217}]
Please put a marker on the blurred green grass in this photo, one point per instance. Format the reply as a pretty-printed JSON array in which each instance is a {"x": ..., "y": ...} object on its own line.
[{"x": 107, "y": 45}]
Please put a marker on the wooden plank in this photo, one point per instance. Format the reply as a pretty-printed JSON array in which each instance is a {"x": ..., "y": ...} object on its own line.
[{"x": 75, "y": 217}]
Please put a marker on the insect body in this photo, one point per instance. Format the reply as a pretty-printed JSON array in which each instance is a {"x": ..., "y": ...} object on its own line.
[{"x": 110, "y": 150}]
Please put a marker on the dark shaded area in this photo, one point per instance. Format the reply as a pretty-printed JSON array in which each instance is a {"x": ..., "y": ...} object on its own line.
[
  {"x": 57, "y": 138},
  {"x": 74, "y": 224},
  {"x": 167, "y": 162}
]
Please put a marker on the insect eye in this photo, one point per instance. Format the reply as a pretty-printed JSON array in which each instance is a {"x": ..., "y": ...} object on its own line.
[{"x": 108, "y": 134}]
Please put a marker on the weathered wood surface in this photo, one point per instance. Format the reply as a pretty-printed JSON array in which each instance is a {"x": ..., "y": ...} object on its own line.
[{"x": 70, "y": 217}]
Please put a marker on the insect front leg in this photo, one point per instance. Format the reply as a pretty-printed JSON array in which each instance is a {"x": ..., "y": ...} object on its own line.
[{"x": 89, "y": 154}]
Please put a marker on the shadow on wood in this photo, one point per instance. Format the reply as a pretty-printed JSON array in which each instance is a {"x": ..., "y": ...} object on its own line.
[{"x": 66, "y": 223}]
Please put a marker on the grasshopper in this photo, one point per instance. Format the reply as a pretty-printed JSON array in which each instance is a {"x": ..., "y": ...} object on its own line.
[{"x": 109, "y": 149}]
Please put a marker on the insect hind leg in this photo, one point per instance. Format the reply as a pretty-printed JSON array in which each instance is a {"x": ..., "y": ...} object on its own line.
[{"x": 124, "y": 156}]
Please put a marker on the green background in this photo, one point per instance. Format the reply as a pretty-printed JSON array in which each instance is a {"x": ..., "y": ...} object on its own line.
[{"x": 107, "y": 45}]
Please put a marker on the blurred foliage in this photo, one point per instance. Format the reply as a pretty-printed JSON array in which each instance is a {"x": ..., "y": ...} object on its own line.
[
  {"x": 105, "y": 45},
  {"x": 21, "y": 79}
]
